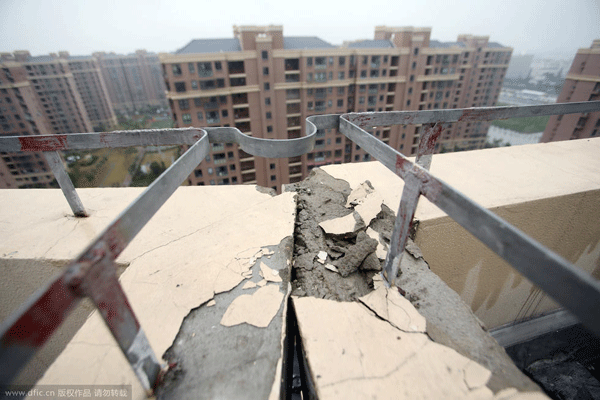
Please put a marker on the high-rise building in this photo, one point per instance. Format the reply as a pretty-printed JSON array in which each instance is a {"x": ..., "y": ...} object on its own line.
[
  {"x": 266, "y": 85},
  {"x": 39, "y": 96},
  {"x": 134, "y": 81},
  {"x": 93, "y": 90},
  {"x": 582, "y": 84}
]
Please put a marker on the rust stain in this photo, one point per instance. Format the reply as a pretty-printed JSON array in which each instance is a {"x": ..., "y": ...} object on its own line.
[
  {"x": 104, "y": 138},
  {"x": 430, "y": 186},
  {"x": 473, "y": 115},
  {"x": 114, "y": 240},
  {"x": 401, "y": 165},
  {"x": 428, "y": 142},
  {"x": 43, "y": 143}
]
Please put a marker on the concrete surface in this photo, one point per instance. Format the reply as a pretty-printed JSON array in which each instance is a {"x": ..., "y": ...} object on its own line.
[
  {"x": 550, "y": 191},
  {"x": 186, "y": 254}
]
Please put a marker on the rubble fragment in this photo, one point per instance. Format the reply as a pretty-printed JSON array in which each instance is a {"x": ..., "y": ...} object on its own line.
[{"x": 256, "y": 309}]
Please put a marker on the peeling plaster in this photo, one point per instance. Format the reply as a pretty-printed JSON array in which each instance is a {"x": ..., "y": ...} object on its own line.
[
  {"x": 256, "y": 309},
  {"x": 339, "y": 226},
  {"x": 170, "y": 275}
]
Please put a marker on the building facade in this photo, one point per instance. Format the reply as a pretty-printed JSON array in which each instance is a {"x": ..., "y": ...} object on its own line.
[
  {"x": 134, "y": 81},
  {"x": 40, "y": 96},
  {"x": 93, "y": 91},
  {"x": 582, "y": 84},
  {"x": 266, "y": 85}
]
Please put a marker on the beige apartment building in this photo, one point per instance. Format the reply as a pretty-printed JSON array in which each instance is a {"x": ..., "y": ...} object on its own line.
[
  {"x": 582, "y": 84},
  {"x": 133, "y": 81},
  {"x": 266, "y": 84}
]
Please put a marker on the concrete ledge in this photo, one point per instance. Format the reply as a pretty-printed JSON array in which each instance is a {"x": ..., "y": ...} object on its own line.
[
  {"x": 550, "y": 191},
  {"x": 202, "y": 242}
]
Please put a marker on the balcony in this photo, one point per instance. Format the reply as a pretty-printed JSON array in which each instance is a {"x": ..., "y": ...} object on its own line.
[
  {"x": 239, "y": 99},
  {"x": 292, "y": 64},
  {"x": 238, "y": 227},
  {"x": 236, "y": 67},
  {"x": 293, "y": 108},
  {"x": 292, "y": 94},
  {"x": 241, "y": 113},
  {"x": 291, "y": 78},
  {"x": 293, "y": 122}
]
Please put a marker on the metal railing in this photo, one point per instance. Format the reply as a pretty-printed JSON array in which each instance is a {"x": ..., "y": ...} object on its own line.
[{"x": 93, "y": 273}]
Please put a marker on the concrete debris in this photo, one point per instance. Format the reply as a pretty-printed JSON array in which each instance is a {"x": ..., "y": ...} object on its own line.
[
  {"x": 370, "y": 207},
  {"x": 358, "y": 195},
  {"x": 322, "y": 257},
  {"x": 262, "y": 283},
  {"x": 476, "y": 375},
  {"x": 257, "y": 309},
  {"x": 331, "y": 268},
  {"x": 340, "y": 226},
  {"x": 355, "y": 254},
  {"x": 413, "y": 249},
  {"x": 249, "y": 285},
  {"x": 211, "y": 303},
  {"x": 269, "y": 274},
  {"x": 381, "y": 252}
]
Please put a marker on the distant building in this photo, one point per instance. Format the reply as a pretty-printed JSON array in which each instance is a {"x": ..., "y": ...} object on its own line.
[
  {"x": 40, "y": 96},
  {"x": 134, "y": 81},
  {"x": 266, "y": 84},
  {"x": 582, "y": 84},
  {"x": 525, "y": 97},
  {"x": 519, "y": 67}
]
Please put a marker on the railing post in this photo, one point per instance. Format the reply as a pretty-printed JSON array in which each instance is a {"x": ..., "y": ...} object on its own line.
[{"x": 56, "y": 164}]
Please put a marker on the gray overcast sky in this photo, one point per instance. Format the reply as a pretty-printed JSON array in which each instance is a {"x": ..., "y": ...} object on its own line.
[{"x": 84, "y": 26}]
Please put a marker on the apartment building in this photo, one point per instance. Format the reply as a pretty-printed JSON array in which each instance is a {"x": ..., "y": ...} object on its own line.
[
  {"x": 133, "y": 81},
  {"x": 266, "y": 84},
  {"x": 93, "y": 91},
  {"x": 39, "y": 96},
  {"x": 582, "y": 84}
]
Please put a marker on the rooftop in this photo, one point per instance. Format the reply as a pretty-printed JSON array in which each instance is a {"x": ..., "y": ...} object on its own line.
[
  {"x": 370, "y": 44},
  {"x": 219, "y": 311},
  {"x": 305, "y": 42},
  {"x": 210, "y": 46}
]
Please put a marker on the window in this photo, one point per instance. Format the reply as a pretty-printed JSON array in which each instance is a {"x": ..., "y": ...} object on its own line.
[
  {"x": 184, "y": 104},
  {"x": 186, "y": 118},
  {"x": 205, "y": 69},
  {"x": 194, "y": 84},
  {"x": 220, "y": 82},
  {"x": 198, "y": 101},
  {"x": 268, "y": 115},
  {"x": 269, "y": 128},
  {"x": 340, "y": 103},
  {"x": 416, "y": 51},
  {"x": 407, "y": 103},
  {"x": 309, "y": 61},
  {"x": 180, "y": 86},
  {"x": 309, "y": 77},
  {"x": 191, "y": 68},
  {"x": 266, "y": 71},
  {"x": 273, "y": 178},
  {"x": 271, "y": 166},
  {"x": 265, "y": 55},
  {"x": 320, "y": 77},
  {"x": 176, "y": 69},
  {"x": 199, "y": 116},
  {"x": 331, "y": 76},
  {"x": 218, "y": 65},
  {"x": 410, "y": 90},
  {"x": 207, "y": 85},
  {"x": 412, "y": 78},
  {"x": 374, "y": 73},
  {"x": 342, "y": 61},
  {"x": 224, "y": 113},
  {"x": 329, "y": 103},
  {"x": 341, "y": 75},
  {"x": 341, "y": 90},
  {"x": 267, "y": 86},
  {"x": 309, "y": 105},
  {"x": 414, "y": 65},
  {"x": 320, "y": 62},
  {"x": 267, "y": 101},
  {"x": 223, "y": 99},
  {"x": 363, "y": 74}
]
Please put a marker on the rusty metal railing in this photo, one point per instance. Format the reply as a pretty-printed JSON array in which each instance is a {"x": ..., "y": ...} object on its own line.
[{"x": 92, "y": 274}]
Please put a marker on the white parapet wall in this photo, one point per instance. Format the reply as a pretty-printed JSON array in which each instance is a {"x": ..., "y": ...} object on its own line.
[{"x": 550, "y": 191}]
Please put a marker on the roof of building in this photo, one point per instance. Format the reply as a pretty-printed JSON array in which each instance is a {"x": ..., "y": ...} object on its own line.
[
  {"x": 305, "y": 42},
  {"x": 41, "y": 58},
  {"x": 495, "y": 44},
  {"x": 210, "y": 46},
  {"x": 75, "y": 58},
  {"x": 371, "y": 44},
  {"x": 438, "y": 44}
]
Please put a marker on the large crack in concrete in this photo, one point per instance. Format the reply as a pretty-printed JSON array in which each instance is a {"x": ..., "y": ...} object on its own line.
[{"x": 346, "y": 273}]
